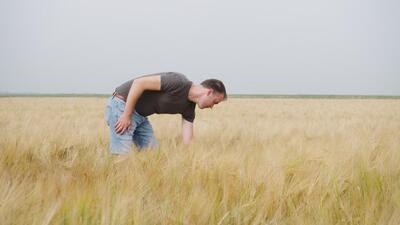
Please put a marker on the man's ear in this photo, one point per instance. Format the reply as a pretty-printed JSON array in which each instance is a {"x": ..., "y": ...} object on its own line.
[{"x": 210, "y": 91}]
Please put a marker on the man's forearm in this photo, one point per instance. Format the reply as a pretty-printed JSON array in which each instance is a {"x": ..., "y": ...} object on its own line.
[
  {"x": 186, "y": 138},
  {"x": 187, "y": 131},
  {"x": 134, "y": 93}
]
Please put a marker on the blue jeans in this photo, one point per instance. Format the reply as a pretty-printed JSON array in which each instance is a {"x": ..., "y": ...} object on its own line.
[{"x": 140, "y": 131}]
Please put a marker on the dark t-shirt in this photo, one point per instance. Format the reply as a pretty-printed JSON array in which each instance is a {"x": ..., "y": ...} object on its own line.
[{"x": 171, "y": 99}]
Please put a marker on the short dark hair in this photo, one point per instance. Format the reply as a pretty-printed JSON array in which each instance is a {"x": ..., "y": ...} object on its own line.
[{"x": 216, "y": 85}]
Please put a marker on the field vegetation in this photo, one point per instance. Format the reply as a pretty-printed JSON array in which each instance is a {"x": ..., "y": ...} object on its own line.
[{"x": 253, "y": 161}]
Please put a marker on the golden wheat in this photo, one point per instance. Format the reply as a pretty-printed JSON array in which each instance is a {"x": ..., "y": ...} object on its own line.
[{"x": 253, "y": 161}]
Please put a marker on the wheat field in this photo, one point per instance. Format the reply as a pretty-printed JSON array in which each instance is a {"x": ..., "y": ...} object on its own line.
[{"x": 253, "y": 161}]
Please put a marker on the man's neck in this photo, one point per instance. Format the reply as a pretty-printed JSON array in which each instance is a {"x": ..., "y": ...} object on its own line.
[{"x": 195, "y": 92}]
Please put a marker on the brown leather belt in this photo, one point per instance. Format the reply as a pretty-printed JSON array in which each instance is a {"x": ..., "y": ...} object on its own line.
[{"x": 115, "y": 94}]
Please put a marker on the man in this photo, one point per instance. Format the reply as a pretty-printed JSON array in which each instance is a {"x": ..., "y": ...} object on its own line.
[{"x": 170, "y": 93}]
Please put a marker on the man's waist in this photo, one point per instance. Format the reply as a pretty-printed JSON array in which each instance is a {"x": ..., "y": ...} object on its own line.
[{"x": 115, "y": 94}]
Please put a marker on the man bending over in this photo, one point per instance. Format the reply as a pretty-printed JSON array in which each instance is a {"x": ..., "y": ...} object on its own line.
[{"x": 161, "y": 93}]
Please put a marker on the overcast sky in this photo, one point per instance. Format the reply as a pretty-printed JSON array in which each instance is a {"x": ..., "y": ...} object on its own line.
[{"x": 255, "y": 47}]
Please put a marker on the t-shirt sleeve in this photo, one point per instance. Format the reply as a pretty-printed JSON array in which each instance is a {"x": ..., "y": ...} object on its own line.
[
  {"x": 189, "y": 114},
  {"x": 173, "y": 82}
]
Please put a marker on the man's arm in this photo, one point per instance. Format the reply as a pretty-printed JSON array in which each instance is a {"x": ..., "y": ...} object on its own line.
[
  {"x": 187, "y": 131},
  {"x": 139, "y": 85}
]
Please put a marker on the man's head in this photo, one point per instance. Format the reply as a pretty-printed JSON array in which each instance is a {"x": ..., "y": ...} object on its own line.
[{"x": 214, "y": 94}]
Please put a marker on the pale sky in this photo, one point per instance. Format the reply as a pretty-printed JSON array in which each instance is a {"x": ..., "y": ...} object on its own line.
[{"x": 256, "y": 47}]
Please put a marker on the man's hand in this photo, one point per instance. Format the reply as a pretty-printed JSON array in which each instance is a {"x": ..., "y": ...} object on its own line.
[{"x": 123, "y": 123}]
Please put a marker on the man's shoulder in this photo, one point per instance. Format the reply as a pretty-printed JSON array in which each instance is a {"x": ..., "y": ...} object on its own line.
[
  {"x": 176, "y": 75},
  {"x": 175, "y": 82}
]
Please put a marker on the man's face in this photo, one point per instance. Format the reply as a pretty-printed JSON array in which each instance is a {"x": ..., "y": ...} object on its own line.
[{"x": 209, "y": 99}]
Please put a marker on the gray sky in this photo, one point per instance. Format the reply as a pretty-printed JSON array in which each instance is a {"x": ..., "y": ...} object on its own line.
[{"x": 255, "y": 47}]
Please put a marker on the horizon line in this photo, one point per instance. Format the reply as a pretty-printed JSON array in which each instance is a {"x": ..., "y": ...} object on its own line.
[{"x": 27, "y": 94}]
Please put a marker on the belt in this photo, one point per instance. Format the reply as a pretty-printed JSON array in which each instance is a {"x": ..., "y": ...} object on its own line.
[{"x": 115, "y": 94}]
